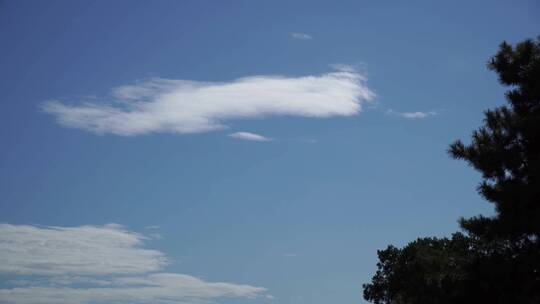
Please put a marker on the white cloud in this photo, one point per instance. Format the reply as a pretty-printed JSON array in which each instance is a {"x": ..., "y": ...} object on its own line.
[
  {"x": 183, "y": 106},
  {"x": 82, "y": 250},
  {"x": 249, "y": 136},
  {"x": 412, "y": 115},
  {"x": 97, "y": 264},
  {"x": 301, "y": 36},
  {"x": 154, "y": 288}
]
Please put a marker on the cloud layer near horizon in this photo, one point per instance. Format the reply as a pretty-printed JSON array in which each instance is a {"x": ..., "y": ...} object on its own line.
[
  {"x": 184, "y": 106},
  {"x": 97, "y": 264}
]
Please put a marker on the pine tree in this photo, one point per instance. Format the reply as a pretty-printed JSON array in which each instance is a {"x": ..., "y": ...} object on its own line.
[
  {"x": 497, "y": 260},
  {"x": 506, "y": 150}
]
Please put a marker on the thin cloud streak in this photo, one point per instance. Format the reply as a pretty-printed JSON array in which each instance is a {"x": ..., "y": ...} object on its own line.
[
  {"x": 412, "y": 115},
  {"x": 249, "y": 136},
  {"x": 162, "y": 105},
  {"x": 301, "y": 36}
]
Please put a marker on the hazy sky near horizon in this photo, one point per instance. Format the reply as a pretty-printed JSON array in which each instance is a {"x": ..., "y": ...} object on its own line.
[{"x": 235, "y": 151}]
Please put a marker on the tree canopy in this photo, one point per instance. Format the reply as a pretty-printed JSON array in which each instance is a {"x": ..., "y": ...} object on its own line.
[
  {"x": 506, "y": 150},
  {"x": 496, "y": 259}
]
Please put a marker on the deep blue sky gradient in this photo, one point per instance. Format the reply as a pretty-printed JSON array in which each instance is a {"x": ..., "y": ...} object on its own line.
[{"x": 236, "y": 211}]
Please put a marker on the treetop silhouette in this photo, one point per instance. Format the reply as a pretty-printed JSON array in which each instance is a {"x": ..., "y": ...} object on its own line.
[{"x": 497, "y": 259}]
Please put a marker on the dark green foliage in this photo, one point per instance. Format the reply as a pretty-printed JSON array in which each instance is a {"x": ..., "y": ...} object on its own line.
[
  {"x": 506, "y": 150},
  {"x": 498, "y": 259},
  {"x": 427, "y": 270},
  {"x": 462, "y": 269}
]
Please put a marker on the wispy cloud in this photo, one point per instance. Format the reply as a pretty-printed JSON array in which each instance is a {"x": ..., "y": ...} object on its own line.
[
  {"x": 183, "y": 106},
  {"x": 97, "y": 264},
  {"x": 82, "y": 250},
  {"x": 412, "y": 115},
  {"x": 301, "y": 36},
  {"x": 162, "y": 288},
  {"x": 249, "y": 136}
]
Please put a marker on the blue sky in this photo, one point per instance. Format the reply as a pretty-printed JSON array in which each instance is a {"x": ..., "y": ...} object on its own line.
[{"x": 142, "y": 132}]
